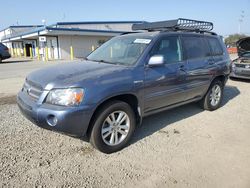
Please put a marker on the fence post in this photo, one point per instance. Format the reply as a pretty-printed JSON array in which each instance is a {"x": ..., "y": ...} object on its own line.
[
  {"x": 71, "y": 53},
  {"x": 31, "y": 54},
  {"x": 24, "y": 51},
  {"x": 18, "y": 52},
  {"x": 12, "y": 52},
  {"x": 46, "y": 54},
  {"x": 38, "y": 54}
]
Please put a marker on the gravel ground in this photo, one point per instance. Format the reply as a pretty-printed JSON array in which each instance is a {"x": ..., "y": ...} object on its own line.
[{"x": 183, "y": 147}]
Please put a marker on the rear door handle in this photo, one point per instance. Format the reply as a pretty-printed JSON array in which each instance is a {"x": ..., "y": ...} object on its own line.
[{"x": 210, "y": 61}]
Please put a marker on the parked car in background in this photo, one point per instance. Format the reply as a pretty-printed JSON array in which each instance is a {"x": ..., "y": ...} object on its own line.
[
  {"x": 241, "y": 65},
  {"x": 4, "y": 52},
  {"x": 127, "y": 78}
]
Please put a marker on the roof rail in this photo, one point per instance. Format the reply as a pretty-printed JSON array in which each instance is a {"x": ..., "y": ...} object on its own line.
[{"x": 178, "y": 24}]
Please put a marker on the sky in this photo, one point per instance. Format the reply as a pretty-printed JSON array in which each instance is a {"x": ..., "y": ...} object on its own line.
[{"x": 225, "y": 14}]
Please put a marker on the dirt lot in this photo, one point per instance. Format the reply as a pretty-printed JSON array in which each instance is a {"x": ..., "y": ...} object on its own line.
[{"x": 183, "y": 147}]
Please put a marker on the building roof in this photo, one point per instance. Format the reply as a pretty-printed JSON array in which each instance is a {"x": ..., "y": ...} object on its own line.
[
  {"x": 55, "y": 29},
  {"x": 97, "y": 22},
  {"x": 21, "y": 26}
]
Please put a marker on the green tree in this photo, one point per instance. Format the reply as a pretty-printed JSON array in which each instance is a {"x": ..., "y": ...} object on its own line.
[{"x": 232, "y": 39}]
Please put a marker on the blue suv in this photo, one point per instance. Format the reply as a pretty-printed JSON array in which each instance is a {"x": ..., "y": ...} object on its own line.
[{"x": 129, "y": 77}]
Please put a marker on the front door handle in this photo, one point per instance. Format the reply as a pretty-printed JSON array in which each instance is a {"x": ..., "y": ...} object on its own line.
[{"x": 182, "y": 68}]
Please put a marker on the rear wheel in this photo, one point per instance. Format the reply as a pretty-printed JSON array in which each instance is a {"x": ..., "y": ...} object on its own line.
[
  {"x": 212, "y": 100},
  {"x": 113, "y": 127},
  {"x": 1, "y": 59}
]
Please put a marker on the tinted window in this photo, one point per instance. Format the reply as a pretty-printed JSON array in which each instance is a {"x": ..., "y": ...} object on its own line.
[
  {"x": 195, "y": 47},
  {"x": 215, "y": 46},
  {"x": 125, "y": 49},
  {"x": 169, "y": 47}
]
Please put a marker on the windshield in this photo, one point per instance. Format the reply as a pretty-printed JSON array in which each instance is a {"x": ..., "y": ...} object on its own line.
[
  {"x": 246, "y": 54},
  {"x": 121, "y": 50}
]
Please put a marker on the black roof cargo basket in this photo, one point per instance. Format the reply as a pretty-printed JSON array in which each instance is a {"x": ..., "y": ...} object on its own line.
[{"x": 175, "y": 25}]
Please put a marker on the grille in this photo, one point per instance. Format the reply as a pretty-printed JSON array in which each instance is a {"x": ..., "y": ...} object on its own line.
[
  {"x": 240, "y": 65},
  {"x": 32, "y": 89},
  {"x": 23, "y": 104}
]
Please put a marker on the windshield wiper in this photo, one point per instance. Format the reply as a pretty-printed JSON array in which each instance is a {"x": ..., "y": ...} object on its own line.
[{"x": 101, "y": 61}]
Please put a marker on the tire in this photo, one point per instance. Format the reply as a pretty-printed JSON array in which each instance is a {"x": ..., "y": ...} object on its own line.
[
  {"x": 103, "y": 135},
  {"x": 1, "y": 59},
  {"x": 212, "y": 103}
]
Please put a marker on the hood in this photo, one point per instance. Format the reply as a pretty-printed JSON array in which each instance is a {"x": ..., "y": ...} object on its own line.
[
  {"x": 243, "y": 46},
  {"x": 72, "y": 74}
]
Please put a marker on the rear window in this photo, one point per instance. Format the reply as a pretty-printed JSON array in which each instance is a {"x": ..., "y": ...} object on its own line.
[
  {"x": 215, "y": 46},
  {"x": 195, "y": 47}
]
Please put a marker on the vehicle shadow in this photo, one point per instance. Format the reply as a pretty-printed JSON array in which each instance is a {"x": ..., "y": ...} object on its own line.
[
  {"x": 230, "y": 92},
  {"x": 156, "y": 122},
  {"x": 14, "y": 61},
  {"x": 240, "y": 80}
]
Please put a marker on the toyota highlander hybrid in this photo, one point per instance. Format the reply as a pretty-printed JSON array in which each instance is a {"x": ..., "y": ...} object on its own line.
[{"x": 131, "y": 76}]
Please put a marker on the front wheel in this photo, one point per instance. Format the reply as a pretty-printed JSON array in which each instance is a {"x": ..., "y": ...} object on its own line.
[
  {"x": 213, "y": 98},
  {"x": 113, "y": 127}
]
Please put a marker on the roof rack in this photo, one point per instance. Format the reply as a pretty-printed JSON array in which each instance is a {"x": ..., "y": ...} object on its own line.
[{"x": 175, "y": 25}]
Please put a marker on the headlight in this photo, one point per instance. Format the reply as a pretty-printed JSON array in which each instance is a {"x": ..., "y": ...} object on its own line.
[
  {"x": 233, "y": 65},
  {"x": 65, "y": 97}
]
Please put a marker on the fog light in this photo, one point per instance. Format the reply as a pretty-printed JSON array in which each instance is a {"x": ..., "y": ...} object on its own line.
[{"x": 52, "y": 120}]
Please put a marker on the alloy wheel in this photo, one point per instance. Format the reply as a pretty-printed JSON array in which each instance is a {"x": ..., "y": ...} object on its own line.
[
  {"x": 115, "y": 128},
  {"x": 215, "y": 95}
]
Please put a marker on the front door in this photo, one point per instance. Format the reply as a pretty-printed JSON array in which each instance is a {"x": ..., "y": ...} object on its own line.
[{"x": 165, "y": 84}]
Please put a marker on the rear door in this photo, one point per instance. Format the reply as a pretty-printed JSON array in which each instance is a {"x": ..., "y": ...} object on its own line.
[
  {"x": 199, "y": 65},
  {"x": 216, "y": 50},
  {"x": 165, "y": 84}
]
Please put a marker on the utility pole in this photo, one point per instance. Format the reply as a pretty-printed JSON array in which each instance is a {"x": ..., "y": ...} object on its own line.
[
  {"x": 242, "y": 15},
  {"x": 44, "y": 22}
]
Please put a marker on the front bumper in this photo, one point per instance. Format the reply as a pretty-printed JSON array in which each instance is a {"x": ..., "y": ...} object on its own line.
[
  {"x": 73, "y": 121},
  {"x": 240, "y": 73}
]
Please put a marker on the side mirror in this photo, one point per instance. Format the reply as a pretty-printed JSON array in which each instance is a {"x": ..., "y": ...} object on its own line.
[{"x": 156, "y": 60}]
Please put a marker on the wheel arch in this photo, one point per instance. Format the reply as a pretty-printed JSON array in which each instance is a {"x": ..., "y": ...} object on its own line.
[
  {"x": 221, "y": 78},
  {"x": 130, "y": 99}
]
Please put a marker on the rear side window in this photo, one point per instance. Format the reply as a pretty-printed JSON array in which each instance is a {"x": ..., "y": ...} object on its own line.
[
  {"x": 215, "y": 46},
  {"x": 195, "y": 47}
]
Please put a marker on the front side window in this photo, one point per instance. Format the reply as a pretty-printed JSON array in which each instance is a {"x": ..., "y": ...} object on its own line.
[
  {"x": 195, "y": 47},
  {"x": 121, "y": 50},
  {"x": 170, "y": 48}
]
